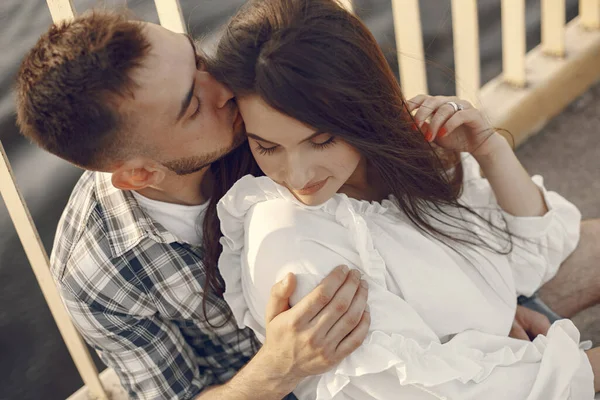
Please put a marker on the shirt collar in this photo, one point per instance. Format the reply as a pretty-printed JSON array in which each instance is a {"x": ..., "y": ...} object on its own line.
[{"x": 127, "y": 224}]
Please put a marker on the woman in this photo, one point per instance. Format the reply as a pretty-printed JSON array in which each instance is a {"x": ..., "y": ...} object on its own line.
[{"x": 353, "y": 178}]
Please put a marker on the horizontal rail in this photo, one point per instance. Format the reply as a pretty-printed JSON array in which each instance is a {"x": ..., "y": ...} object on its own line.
[{"x": 553, "y": 84}]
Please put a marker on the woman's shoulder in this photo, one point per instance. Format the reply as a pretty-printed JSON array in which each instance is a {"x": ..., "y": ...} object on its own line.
[
  {"x": 252, "y": 192},
  {"x": 259, "y": 203}
]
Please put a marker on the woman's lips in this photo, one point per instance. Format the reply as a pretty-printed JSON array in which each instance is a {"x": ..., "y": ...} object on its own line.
[{"x": 312, "y": 189}]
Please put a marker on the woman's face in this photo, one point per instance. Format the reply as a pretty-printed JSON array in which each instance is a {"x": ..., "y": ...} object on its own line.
[{"x": 312, "y": 165}]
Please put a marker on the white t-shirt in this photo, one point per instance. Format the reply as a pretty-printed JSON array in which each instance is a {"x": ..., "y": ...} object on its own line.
[
  {"x": 185, "y": 222},
  {"x": 439, "y": 321}
]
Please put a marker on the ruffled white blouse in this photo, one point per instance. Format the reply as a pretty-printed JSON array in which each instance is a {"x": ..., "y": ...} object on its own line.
[{"x": 439, "y": 318}]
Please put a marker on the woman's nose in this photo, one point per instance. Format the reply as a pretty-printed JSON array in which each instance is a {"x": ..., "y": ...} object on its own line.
[{"x": 298, "y": 173}]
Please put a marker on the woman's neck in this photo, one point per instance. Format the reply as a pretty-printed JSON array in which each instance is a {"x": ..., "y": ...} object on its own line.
[{"x": 365, "y": 184}]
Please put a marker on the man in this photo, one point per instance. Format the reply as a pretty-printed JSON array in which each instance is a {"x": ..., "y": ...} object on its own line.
[
  {"x": 132, "y": 104},
  {"x": 133, "y": 100}
]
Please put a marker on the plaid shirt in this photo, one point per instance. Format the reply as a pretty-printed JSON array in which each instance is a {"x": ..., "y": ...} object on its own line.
[{"x": 135, "y": 293}]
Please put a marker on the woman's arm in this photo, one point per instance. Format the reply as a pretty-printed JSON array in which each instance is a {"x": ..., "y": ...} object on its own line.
[
  {"x": 545, "y": 239},
  {"x": 514, "y": 190},
  {"x": 403, "y": 348}
]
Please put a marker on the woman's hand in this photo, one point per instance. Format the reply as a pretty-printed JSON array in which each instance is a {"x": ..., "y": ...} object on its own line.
[
  {"x": 467, "y": 130},
  {"x": 464, "y": 129},
  {"x": 528, "y": 324}
]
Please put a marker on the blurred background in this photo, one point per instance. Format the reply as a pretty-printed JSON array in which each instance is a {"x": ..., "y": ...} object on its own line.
[{"x": 34, "y": 362}]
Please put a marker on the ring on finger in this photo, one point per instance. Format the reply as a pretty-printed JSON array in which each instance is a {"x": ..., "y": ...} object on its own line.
[{"x": 456, "y": 106}]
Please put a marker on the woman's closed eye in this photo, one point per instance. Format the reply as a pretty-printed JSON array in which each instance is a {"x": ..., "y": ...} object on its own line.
[
  {"x": 317, "y": 143},
  {"x": 322, "y": 141},
  {"x": 265, "y": 150}
]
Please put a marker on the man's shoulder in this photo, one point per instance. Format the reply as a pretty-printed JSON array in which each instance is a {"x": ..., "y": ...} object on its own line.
[
  {"x": 106, "y": 243},
  {"x": 84, "y": 247},
  {"x": 74, "y": 221},
  {"x": 81, "y": 241}
]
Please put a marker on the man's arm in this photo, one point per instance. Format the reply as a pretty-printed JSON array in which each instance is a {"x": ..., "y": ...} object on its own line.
[
  {"x": 149, "y": 355},
  {"x": 153, "y": 360},
  {"x": 309, "y": 339}
]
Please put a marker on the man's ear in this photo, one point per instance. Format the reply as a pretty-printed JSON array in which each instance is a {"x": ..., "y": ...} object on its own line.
[{"x": 137, "y": 174}]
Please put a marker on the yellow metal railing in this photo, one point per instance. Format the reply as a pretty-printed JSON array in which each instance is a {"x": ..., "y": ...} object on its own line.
[{"x": 564, "y": 65}]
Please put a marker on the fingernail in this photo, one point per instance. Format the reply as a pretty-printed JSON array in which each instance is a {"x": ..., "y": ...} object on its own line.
[
  {"x": 428, "y": 136},
  {"x": 367, "y": 308},
  {"x": 413, "y": 126},
  {"x": 345, "y": 269},
  {"x": 442, "y": 132},
  {"x": 364, "y": 284},
  {"x": 356, "y": 273}
]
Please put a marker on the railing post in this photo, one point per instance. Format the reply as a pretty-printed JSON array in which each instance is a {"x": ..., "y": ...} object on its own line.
[
  {"x": 409, "y": 44},
  {"x": 61, "y": 10},
  {"x": 39, "y": 263},
  {"x": 465, "y": 28},
  {"x": 347, "y": 4},
  {"x": 36, "y": 254},
  {"x": 553, "y": 27},
  {"x": 589, "y": 11},
  {"x": 513, "y": 42},
  {"x": 170, "y": 15}
]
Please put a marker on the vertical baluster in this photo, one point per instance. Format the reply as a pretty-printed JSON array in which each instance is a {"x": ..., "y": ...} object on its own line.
[
  {"x": 513, "y": 42},
  {"x": 409, "y": 44},
  {"x": 465, "y": 28},
  {"x": 170, "y": 15},
  {"x": 589, "y": 11},
  {"x": 36, "y": 254},
  {"x": 553, "y": 27},
  {"x": 347, "y": 4},
  {"x": 61, "y": 9}
]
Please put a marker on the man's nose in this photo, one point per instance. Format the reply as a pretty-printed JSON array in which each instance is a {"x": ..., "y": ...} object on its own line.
[{"x": 220, "y": 93}]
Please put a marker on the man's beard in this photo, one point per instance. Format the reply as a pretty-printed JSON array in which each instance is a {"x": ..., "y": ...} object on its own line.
[{"x": 190, "y": 165}]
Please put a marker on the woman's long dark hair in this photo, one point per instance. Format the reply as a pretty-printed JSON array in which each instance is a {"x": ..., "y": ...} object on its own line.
[{"x": 316, "y": 62}]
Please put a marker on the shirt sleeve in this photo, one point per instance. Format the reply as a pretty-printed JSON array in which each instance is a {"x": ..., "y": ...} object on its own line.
[
  {"x": 401, "y": 354},
  {"x": 149, "y": 354},
  {"x": 540, "y": 244}
]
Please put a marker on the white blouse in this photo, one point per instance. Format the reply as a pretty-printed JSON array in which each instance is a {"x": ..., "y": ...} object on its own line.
[{"x": 439, "y": 318}]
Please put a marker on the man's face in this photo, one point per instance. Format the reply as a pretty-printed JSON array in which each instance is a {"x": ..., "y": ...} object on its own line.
[{"x": 180, "y": 116}]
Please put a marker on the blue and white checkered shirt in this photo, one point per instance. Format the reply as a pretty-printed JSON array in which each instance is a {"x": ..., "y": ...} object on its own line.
[{"x": 135, "y": 293}]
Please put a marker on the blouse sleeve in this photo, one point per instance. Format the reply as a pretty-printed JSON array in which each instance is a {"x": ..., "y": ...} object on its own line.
[
  {"x": 263, "y": 240},
  {"x": 540, "y": 244}
]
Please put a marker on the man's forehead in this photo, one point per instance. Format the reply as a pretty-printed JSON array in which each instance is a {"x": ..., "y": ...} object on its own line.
[
  {"x": 166, "y": 73},
  {"x": 170, "y": 55},
  {"x": 165, "y": 41}
]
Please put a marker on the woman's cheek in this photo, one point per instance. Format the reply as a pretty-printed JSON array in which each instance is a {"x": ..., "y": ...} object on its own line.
[
  {"x": 344, "y": 156},
  {"x": 267, "y": 163}
]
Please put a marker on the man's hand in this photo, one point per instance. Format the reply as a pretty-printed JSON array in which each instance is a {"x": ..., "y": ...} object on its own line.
[
  {"x": 318, "y": 332},
  {"x": 528, "y": 324},
  {"x": 308, "y": 339}
]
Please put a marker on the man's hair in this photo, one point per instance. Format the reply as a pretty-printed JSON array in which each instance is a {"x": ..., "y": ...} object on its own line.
[{"x": 68, "y": 86}]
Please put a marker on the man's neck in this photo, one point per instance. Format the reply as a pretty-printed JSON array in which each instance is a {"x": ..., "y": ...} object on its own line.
[{"x": 187, "y": 190}]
